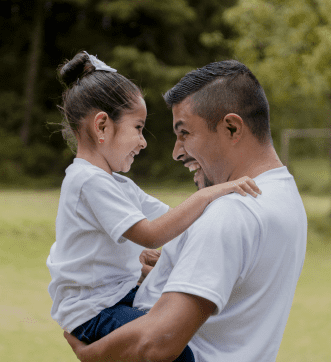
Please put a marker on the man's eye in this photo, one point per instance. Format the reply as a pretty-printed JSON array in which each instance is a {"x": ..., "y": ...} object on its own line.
[{"x": 183, "y": 132}]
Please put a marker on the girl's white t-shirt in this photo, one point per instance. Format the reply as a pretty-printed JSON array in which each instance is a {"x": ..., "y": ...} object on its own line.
[{"x": 91, "y": 264}]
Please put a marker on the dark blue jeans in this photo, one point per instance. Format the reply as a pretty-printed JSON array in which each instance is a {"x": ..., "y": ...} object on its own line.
[{"x": 114, "y": 317}]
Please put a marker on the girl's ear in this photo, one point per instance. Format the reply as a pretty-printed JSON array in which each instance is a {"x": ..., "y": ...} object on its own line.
[
  {"x": 233, "y": 127},
  {"x": 100, "y": 122}
]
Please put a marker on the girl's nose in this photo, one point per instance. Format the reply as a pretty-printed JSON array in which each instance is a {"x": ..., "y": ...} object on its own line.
[{"x": 143, "y": 143}]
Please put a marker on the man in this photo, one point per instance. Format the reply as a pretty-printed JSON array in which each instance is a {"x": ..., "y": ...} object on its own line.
[{"x": 226, "y": 285}]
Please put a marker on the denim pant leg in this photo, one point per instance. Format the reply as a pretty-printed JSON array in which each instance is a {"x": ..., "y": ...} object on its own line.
[
  {"x": 186, "y": 355},
  {"x": 114, "y": 317},
  {"x": 105, "y": 322},
  {"x": 109, "y": 319}
]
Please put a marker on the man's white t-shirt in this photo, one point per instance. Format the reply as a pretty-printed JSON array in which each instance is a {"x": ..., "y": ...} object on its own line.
[
  {"x": 91, "y": 264},
  {"x": 245, "y": 255}
]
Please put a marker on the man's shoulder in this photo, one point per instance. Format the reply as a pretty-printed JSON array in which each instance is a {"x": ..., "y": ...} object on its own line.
[
  {"x": 279, "y": 204},
  {"x": 227, "y": 215},
  {"x": 231, "y": 203},
  {"x": 277, "y": 186}
]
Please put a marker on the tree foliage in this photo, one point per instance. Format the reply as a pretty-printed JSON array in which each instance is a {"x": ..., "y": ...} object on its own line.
[
  {"x": 154, "y": 43},
  {"x": 287, "y": 44}
]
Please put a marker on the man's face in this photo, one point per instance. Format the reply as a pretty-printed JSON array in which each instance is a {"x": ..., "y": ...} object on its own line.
[{"x": 199, "y": 148}]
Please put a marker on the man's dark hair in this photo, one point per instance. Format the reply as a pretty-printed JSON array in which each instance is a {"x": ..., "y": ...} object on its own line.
[{"x": 221, "y": 88}]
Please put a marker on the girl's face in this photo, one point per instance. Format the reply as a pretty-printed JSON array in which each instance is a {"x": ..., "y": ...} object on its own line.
[{"x": 124, "y": 140}]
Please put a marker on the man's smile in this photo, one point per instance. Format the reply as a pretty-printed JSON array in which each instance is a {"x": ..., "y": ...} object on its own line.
[{"x": 193, "y": 165}]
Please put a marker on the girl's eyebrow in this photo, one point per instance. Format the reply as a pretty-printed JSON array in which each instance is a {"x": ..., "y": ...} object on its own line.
[{"x": 142, "y": 121}]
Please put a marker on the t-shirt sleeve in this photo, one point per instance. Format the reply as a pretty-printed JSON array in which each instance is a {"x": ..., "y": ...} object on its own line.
[
  {"x": 151, "y": 206},
  {"x": 110, "y": 205},
  {"x": 218, "y": 252}
]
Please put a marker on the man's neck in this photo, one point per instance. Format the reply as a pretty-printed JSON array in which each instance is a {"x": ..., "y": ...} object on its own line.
[{"x": 256, "y": 163}]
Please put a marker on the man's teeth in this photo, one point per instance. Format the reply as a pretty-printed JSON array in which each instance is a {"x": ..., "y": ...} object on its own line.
[
  {"x": 132, "y": 154},
  {"x": 194, "y": 167}
]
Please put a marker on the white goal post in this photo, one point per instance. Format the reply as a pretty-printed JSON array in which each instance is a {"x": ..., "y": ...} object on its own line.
[{"x": 289, "y": 133}]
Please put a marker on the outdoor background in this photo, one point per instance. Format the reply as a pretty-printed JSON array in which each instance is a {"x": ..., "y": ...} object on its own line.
[{"x": 287, "y": 45}]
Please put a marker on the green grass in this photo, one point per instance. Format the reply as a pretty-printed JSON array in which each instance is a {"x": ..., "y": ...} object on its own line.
[
  {"x": 312, "y": 175},
  {"x": 308, "y": 331},
  {"x": 27, "y": 332}
]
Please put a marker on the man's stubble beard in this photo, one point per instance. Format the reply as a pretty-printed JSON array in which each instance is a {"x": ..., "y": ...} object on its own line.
[{"x": 206, "y": 183}]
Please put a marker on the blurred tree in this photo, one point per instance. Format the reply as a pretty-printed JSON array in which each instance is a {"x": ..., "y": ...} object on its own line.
[
  {"x": 287, "y": 44},
  {"x": 34, "y": 55},
  {"x": 152, "y": 42},
  {"x": 156, "y": 43},
  {"x": 284, "y": 37}
]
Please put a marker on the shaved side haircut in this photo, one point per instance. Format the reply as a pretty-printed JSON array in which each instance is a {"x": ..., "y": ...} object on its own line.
[{"x": 221, "y": 88}]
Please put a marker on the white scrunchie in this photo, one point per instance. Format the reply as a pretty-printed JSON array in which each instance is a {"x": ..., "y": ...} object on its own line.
[{"x": 99, "y": 65}]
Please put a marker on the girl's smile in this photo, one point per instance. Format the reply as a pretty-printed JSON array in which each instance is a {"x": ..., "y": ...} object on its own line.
[{"x": 124, "y": 140}]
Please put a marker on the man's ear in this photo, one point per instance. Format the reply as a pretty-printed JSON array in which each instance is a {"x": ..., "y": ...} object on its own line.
[{"x": 233, "y": 126}]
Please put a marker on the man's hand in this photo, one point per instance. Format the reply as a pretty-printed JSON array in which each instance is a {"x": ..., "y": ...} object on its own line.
[
  {"x": 148, "y": 259},
  {"x": 77, "y": 346},
  {"x": 160, "y": 335}
]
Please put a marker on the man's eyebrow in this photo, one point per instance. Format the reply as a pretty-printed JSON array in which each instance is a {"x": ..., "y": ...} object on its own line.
[{"x": 179, "y": 123}]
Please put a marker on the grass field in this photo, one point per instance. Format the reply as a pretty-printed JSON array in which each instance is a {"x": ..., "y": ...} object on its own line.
[
  {"x": 312, "y": 175},
  {"x": 27, "y": 332}
]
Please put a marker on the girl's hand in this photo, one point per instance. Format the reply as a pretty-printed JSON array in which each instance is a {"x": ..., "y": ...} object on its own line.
[
  {"x": 242, "y": 186},
  {"x": 148, "y": 259}
]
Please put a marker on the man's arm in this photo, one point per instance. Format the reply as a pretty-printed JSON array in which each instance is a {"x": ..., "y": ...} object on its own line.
[{"x": 161, "y": 335}]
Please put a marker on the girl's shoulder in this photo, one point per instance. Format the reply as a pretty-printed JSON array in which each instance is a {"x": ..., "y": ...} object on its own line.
[
  {"x": 126, "y": 182},
  {"x": 81, "y": 172},
  {"x": 83, "y": 169}
]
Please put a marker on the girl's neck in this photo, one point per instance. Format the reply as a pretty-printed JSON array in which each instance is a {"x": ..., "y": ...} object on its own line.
[{"x": 95, "y": 159}]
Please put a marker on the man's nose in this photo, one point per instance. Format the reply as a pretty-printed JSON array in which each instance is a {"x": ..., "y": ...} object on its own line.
[{"x": 179, "y": 151}]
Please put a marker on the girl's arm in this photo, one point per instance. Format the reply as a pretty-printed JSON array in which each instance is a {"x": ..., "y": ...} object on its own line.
[{"x": 153, "y": 234}]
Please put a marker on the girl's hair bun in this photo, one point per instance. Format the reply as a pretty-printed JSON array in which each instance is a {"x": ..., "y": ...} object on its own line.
[
  {"x": 74, "y": 69},
  {"x": 102, "y": 90}
]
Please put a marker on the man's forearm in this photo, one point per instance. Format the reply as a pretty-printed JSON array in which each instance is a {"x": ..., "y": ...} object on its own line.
[
  {"x": 161, "y": 335},
  {"x": 131, "y": 343}
]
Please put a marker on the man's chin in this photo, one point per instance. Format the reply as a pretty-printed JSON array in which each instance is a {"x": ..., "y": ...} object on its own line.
[{"x": 202, "y": 181}]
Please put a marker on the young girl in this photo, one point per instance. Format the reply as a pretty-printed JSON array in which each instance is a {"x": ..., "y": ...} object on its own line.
[{"x": 104, "y": 220}]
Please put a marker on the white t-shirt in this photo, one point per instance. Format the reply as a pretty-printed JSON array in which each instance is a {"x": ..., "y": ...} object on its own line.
[
  {"x": 245, "y": 255},
  {"x": 91, "y": 264}
]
